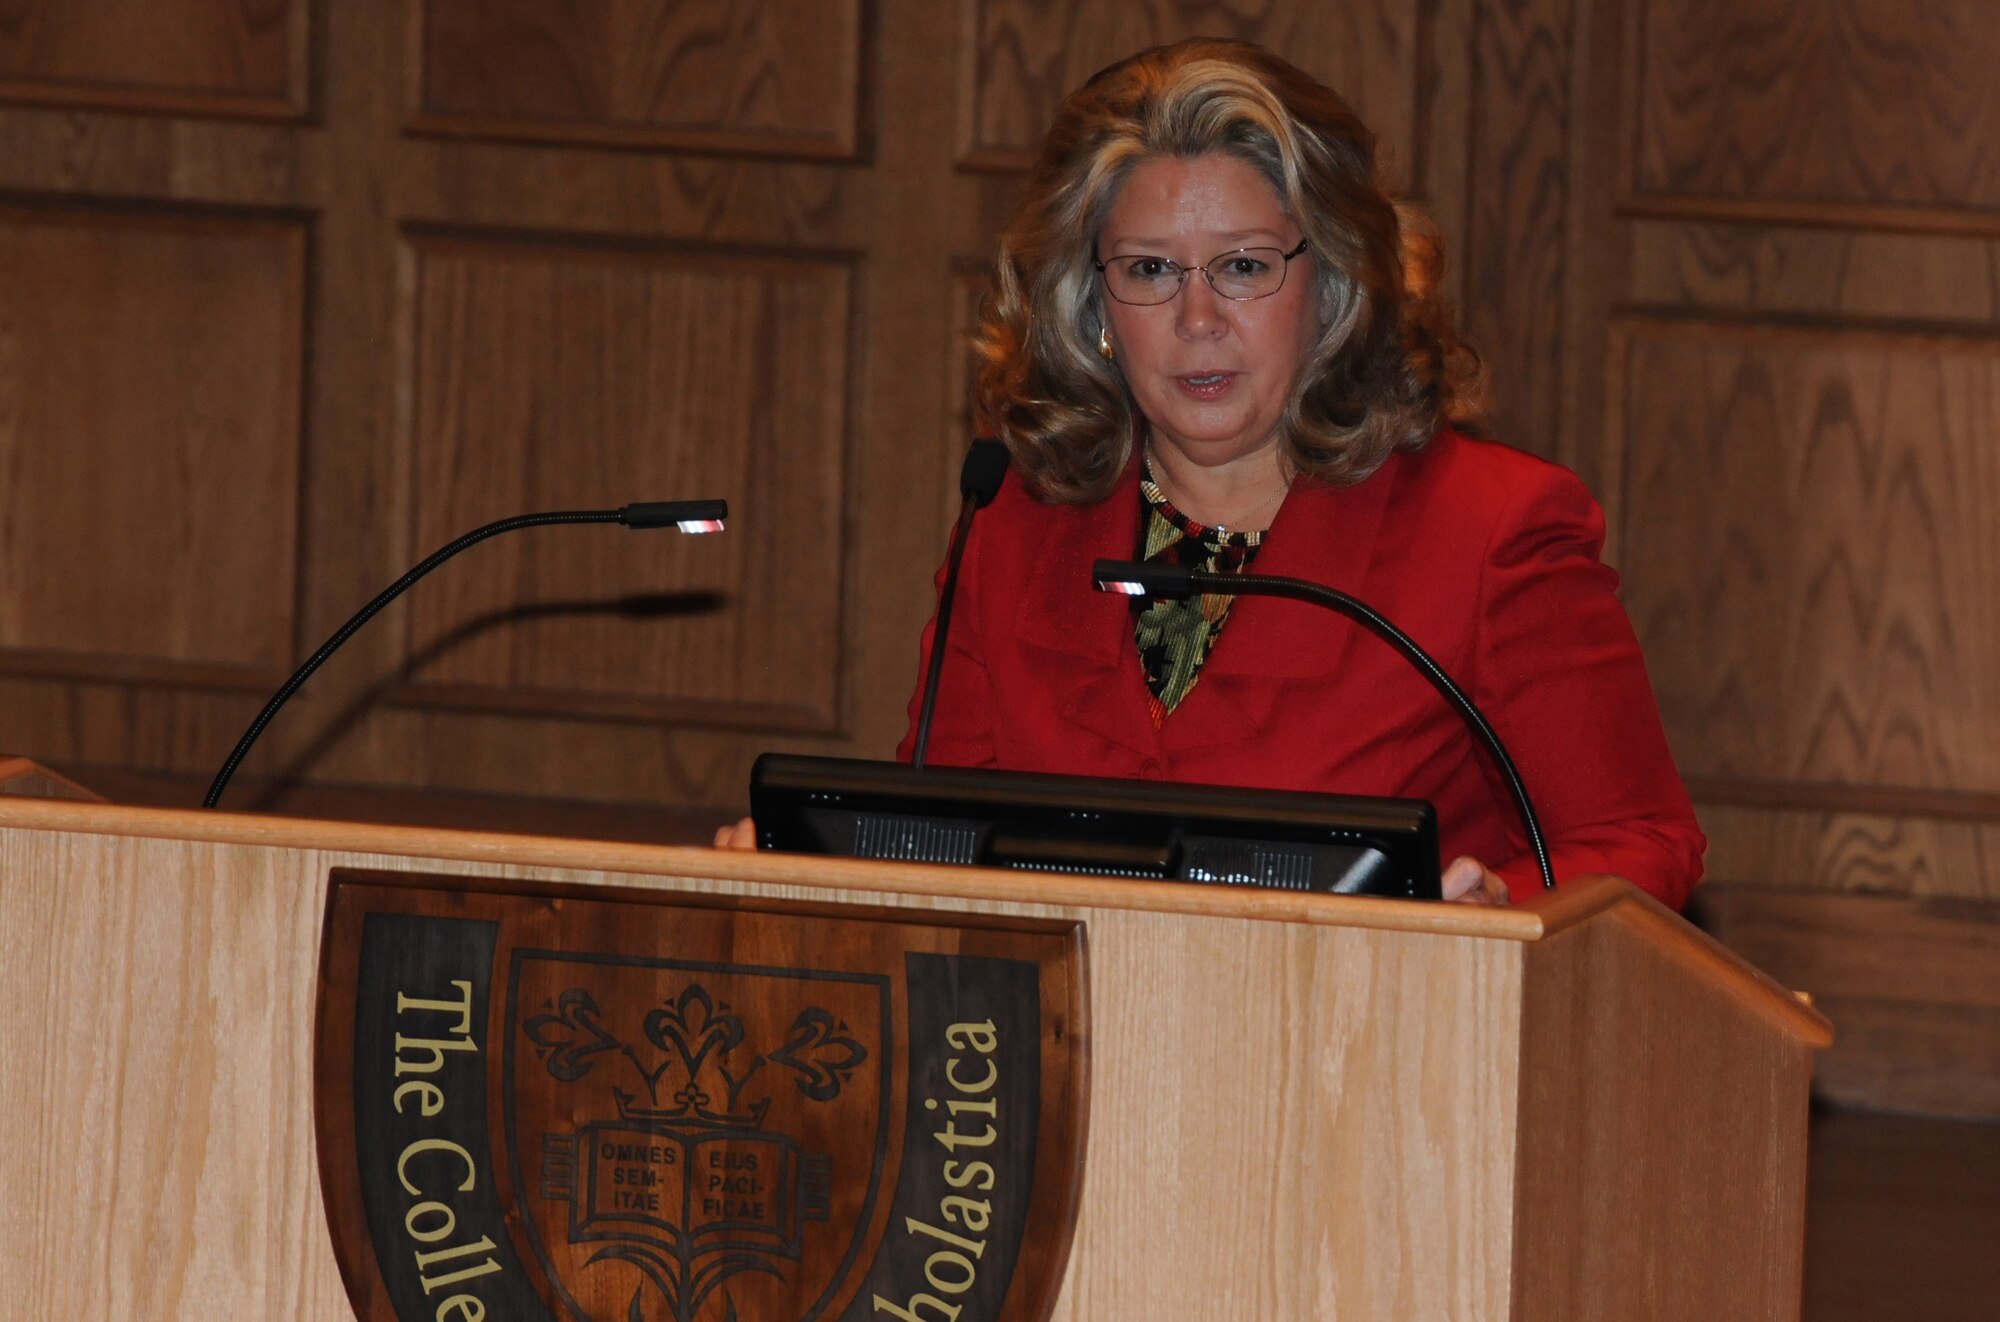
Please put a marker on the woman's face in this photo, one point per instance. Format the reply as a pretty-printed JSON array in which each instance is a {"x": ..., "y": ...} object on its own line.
[{"x": 1212, "y": 375}]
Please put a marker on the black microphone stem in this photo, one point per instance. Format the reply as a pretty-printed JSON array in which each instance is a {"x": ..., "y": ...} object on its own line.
[
  {"x": 1298, "y": 589},
  {"x": 935, "y": 670},
  {"x": 979, "y": 479},
  {"x": 1143, "y": 578},
  {"x": 655, "y": 514}
]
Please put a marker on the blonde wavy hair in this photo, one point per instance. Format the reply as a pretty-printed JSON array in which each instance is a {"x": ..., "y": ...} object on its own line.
[{"x": 1386, "y": 371}]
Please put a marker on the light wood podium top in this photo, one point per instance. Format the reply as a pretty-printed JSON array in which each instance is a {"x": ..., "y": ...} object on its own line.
[
  {"x": 1301, "y": 1106},
  {"x": 1534, "y": 920}
]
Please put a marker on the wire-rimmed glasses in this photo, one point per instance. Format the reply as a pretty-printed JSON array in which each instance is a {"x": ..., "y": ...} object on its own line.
[{"x": 1240, "y": 274}]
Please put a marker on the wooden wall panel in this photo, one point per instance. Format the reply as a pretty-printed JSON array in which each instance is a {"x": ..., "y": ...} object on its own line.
[
  {"x": 113, "y": 723},
  {"x": 230, "y": 57},
  {"x": 553, "y": 376},
  {"x": 960, "y": 367},
  {"x": 212, "y": 162},
  {"x": 1798, "y": 836},
  {"x": 149, "y": 443},
  {"x": 1812, "y": 562},
  {"x": 1792, "y": 249},
  {"x": 1518, "y": 231},
  {"x": 1025, "y": 56},
  {"x": 1852, "y": 275},
  {"x": 1865, "y": 103},
  {"x": 1914, "y": 986},
  {"x": 776, "y": 77}
]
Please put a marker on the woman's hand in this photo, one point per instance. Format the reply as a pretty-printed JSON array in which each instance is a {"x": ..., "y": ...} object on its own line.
[
  {"x": 1468, "y": 881},
  {"x": 737, "y": 835}
]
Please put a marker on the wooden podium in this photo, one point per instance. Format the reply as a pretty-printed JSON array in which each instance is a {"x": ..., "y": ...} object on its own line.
[{"x": 1299, "y": 1107}]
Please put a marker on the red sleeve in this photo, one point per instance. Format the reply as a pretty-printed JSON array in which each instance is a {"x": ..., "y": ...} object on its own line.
[
  {"x": 1560, "y": 675},
  {"x": 962, "y": 721}
]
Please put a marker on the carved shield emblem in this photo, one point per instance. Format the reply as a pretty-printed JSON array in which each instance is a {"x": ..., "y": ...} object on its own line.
[
  {"x": 678, "y": 1126},
  {"x": 616, "y": 1106}
]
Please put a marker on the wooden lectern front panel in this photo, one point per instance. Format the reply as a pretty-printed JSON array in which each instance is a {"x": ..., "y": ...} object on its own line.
[
  {"x": 1298, "y": 1107},
  {"x": 1295, "y": 1122},
  {"x": 1662, "y": 1136}
]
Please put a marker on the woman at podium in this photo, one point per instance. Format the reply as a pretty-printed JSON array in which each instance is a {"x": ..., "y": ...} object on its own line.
[{"x": 1213, "y": 339}]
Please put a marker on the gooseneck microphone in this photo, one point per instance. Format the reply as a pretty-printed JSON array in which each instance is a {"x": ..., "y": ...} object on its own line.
[
  {"x": 1138, "y": 578},
  {"x": 979, "y": 482},
  {"x": 688, "y": 516}
]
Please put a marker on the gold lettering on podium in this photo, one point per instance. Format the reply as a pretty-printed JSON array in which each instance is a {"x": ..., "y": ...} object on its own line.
[
  {"x": 952, "y": 1269},
  {"x": 446, "y": 1166}
]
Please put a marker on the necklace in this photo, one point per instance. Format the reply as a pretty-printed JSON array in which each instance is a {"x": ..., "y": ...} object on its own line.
[{"x": 1258, "y": 519}]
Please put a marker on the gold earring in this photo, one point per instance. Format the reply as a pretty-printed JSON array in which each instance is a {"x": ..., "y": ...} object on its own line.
[{"x": 1104, "y": 347}]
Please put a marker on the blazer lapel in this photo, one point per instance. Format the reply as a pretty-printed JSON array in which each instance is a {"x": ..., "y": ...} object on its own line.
[
  {"x": 1090, "y": 659},
  {"x": 1323, "y": 534}
]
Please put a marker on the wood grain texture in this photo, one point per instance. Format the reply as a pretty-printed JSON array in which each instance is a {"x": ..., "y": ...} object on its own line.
[
  {"x": 730, "y": 978},
  {"x": 638, "y": 196},
  {"x": 583, "y": 819},
  {"x": 630, "y": 762},
  {"x": 1870, "y": 101},
  {"x": 163, "y": 1056},
  {"x": 960, "y": 367},
  {"x": 1913, "y": 280},
  {"x": 1835, "y": 796},
  {"x": 238, "y": 57},
  {"x": 1596, "y": 254},
  {"x": 250, "y": 977},
  {"x": 1025, "y": 56},
  {"x": 1360, "y": 1179},
  {"x": 57, "y": 153},
  {"x": 1784, "y": 282},
  {"x": 1396, "y": 1067},
  {"x": 1914, "y": 986},
  {"x": 557, "y": 377},
  {"x": 781, "y": 77},
  {"x": 1949, "y": 222},
  {"x": 1810, "y": 562},
  {"x": 71, "y": 721},
  {"x": 22, "y": 776},
  {"x": 892, "y": 205},
  {"x": 802, "y": 876},
  {"x": 361, "y": 501},
  {"x": 1441, "y": 145},
  {"x": 149, "y": 443},
  {"x": 1646, "y": 1109},
  {"x": 1906, "y": 853},
  {"x": 1518, "y": 238}
]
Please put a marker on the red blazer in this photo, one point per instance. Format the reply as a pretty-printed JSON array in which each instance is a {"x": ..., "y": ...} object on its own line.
[{"x": 1483, "y": 554}]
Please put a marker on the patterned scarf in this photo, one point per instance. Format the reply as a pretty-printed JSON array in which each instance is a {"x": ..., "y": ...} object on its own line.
[{"x": 1175, "y": 637}]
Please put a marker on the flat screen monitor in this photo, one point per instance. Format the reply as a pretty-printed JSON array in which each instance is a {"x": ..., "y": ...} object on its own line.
[{"x": 1150, "y": 829}]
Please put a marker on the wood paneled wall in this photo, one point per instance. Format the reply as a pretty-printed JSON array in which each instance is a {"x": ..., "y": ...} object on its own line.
[
  {"x": 1796, "y": 402},
  {"x": 299, "y": 292},
  {"x": 150, "y": 370},
  {"x": 293, "y": 291},
  {"x": 296, "y": 292},
  {"x": 239, "y": 58},
  {"x": 782, "y": 77},
  {"x": 1784, "y": 367}
]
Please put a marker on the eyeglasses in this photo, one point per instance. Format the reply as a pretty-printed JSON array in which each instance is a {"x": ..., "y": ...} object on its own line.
[{"x": 1239, "y": 274}]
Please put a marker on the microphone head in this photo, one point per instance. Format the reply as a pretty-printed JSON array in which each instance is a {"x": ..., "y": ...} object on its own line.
[
  {"x": 1143, "y": 578},
  {"x": 690, "y": 516},
  {"x": 985, "y": 467}
]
